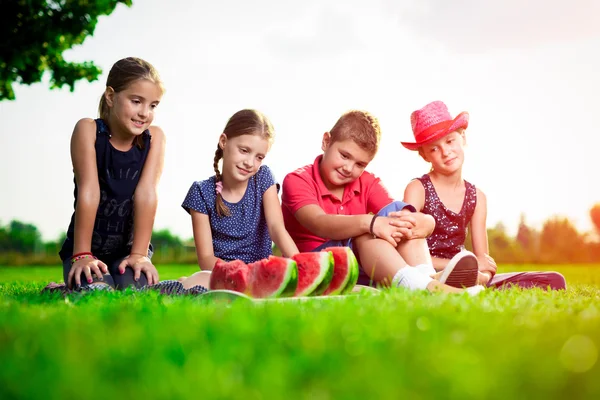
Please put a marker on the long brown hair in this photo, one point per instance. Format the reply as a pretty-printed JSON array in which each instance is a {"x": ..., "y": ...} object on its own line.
[
  {"x": 243, "y": 122},
  {"x": 122, "y": 74}
]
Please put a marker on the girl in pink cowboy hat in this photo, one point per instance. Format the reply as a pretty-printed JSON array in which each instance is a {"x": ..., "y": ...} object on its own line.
[{"x": 455, "y": 203}]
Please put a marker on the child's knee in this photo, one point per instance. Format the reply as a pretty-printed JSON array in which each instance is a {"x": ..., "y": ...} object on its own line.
[{"x": 125, "y": 280}]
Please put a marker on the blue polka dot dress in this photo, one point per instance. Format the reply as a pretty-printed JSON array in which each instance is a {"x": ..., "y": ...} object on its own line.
[{"x": 243, "y": 235}]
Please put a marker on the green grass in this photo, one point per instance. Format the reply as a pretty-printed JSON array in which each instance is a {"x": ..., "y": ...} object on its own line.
[{"x": 501, "y": 344}]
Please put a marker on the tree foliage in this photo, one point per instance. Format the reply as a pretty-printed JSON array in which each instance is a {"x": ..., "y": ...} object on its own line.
[
  {"x": 35, "y": 33},
  {"x": 20, "y": 237},
  {"x": 557, "y": 242},
  {"x": 595, "y": 216}
]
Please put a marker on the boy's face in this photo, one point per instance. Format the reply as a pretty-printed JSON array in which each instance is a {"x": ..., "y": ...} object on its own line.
[{"x": 343, "y": 162}]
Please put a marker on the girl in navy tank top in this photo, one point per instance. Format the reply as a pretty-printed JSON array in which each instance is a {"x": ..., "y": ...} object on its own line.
[
  {"x": 117, "y": 162},
  {"x": 454, "y": 203}
]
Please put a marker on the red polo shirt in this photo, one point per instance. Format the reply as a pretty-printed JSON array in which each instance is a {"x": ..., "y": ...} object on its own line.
[{"x": 305, "y": 186}]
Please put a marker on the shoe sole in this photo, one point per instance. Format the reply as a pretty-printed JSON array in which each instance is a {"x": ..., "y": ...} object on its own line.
[{"x": 464, "y": 270}]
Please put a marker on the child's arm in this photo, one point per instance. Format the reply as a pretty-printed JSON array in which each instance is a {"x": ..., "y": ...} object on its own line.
[
  {"x": 83, "y": 155},
  {"x": 479, "y": 239},
  {"x": 340, "y": 227},
  {"x": 414, "y": 194},
  {"x": 145, "y": 201},
  {"x": 274, "y": 218},
  {"x": 203, "y": 241},
  {"x": 300, "y": 198}
]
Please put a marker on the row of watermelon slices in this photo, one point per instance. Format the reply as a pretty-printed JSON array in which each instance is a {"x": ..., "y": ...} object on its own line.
[{"x": 332, "y": 271}]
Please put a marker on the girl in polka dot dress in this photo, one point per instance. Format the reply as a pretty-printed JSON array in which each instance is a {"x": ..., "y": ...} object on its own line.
[{"x": 236, "y": 214}]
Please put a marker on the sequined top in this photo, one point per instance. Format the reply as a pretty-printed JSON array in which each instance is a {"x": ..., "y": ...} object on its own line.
[{"x": 448, "y": 237}]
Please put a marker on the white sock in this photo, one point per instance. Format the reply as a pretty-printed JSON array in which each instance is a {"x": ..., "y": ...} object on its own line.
[
  {"x": 474, "y": 290},
  {"x": 411, "y": 278},
  {"x": 426, "y": 269}
]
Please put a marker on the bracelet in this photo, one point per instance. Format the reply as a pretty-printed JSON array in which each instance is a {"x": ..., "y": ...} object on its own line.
[
  {"x": 85, "y": 253},
  {"x": 371, "y": 227},
  {"x": 81, "y": 257}
]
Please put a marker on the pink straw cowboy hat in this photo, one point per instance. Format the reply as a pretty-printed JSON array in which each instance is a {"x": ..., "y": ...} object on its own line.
[{"x": 433, "y": 122}]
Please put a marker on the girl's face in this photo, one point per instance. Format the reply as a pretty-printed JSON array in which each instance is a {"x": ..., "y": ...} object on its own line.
[
  {"x": 132, "y": 110},
  {"x": 446, "y": 154},
  {"x": 242, "y": 155}
]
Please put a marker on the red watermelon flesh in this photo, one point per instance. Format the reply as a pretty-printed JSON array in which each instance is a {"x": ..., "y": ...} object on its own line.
[
  {"x": 232, "y": 275},
  {"x": 273, "y": 277},
  {"x": 315, "y": 271},
  {"x": 345, "y": 271}
]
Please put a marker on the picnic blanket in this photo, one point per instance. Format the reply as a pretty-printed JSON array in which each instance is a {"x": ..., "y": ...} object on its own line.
[{"x": 168, "y": 287}]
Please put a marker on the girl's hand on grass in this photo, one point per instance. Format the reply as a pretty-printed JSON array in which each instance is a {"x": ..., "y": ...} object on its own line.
[
  {"x": 87, "y": 266},
  {"x": 140, "y": 263}
]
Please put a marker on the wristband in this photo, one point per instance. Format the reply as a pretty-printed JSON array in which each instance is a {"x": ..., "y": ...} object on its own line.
[
  {"x": 80, "y": 256},
  {"x": 371, "y": 227},
  {"x": 84, "y": 253}
]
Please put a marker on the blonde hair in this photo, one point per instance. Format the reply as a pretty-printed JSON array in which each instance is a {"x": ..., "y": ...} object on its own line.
[
  {"x": 122, "y": 74},
  {"x": 243, "y": 122},
  {"x": 360, "y": 126}
]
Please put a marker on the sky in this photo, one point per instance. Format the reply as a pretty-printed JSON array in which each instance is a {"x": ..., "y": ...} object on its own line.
[{"x": 527, "y": 72}]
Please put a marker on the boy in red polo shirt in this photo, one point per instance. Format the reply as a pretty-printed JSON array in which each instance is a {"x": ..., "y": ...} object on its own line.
[{"x": 334, "y": 202}]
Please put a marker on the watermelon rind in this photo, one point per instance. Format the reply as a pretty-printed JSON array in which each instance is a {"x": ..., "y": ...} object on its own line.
[
  {"x": 292, "y": 280},
  {"x": 328, "y": 275},
  {"x": 291, "y": 274},
  {"x": 340, "y": 286},
  {"x": 325, "y": 261},
  {"x": 354, "y": 269}
]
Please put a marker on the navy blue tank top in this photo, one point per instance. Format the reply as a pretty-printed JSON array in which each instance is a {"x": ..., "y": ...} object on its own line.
[{"x": 118, "y": 175}]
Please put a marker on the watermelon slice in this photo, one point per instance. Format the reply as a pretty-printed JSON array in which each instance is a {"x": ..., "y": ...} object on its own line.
[
  {"x": 315, "y": 271},
  {"x": 232, "y": 275},
  {"x": 273, "y": 277},
  {"x": 345, "y": 271}
]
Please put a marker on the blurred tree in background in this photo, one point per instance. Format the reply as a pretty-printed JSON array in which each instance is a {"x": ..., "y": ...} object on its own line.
[
  {"x": 557, "y": 242},
  {"x": 595, "y": 216},
  {"x": 35, "y": 33}
]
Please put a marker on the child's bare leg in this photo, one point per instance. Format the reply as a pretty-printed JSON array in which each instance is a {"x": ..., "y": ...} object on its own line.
[
  {"x": 201, "y": 278},
  {"x": 378, "y": 258},
  {"x": 381, "y": 261},
  {"x": 416, "y": 252}
]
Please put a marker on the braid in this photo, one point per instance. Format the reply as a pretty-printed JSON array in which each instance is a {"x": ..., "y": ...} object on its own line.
[{"x": 222, "y": 209}]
